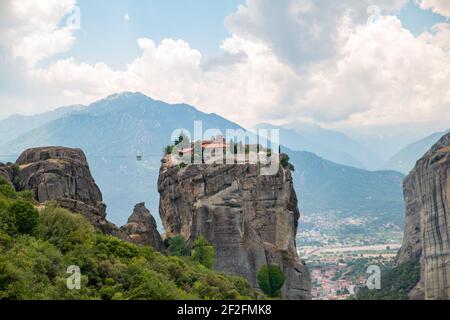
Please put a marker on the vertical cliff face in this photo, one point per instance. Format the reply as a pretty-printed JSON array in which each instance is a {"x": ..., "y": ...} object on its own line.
[
  {"x": 250, "y": 219},
  {"x": 427, "y": 228}
]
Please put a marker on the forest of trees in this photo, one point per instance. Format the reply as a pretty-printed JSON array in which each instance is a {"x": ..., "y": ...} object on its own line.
[{"x": 38, "y": 247}]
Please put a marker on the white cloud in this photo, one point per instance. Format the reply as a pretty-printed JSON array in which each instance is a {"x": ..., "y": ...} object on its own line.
[
  {"x": 30, "y": 29},
  {"x": 348, "y": 70},
  {"x": 302, "y": 31},
  {"x": 305, "y": 61},
  {"x": 172, "y": 71},
  {"x": 439, "y": 36},
  {"x": 126, "y": 17},
  {"x": 384, "y": 74},
  {"x": 441, "y": 7}
]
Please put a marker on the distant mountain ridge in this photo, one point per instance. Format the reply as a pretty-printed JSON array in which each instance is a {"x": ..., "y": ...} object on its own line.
[
  {"x": 115, "y": 130},
  {"x": 406, "y": 158},
  {"x": 329, "y": 144},
  {"x": 323, "y": 185},
  {"x": 16, "y": 125}
]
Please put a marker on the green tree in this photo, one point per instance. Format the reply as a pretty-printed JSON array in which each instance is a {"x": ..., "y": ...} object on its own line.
[
  {"x": 7, "y": 221},
  {"x": 64, "y": 229},
  {"x": 177, "y": 246},
  {"x": 6, "y": 189},
  {"x": 182, "y": 165},
  {"x": 26, "y": 215},
  {"x": 284, "y": 161},
  {"x": 203, "y": 252},
  {"x": 169, "y": 149},
  {"x": 270, "y": 280},
  {"x": 183, "y": 140},
  {"x": 114, "y": 247}
]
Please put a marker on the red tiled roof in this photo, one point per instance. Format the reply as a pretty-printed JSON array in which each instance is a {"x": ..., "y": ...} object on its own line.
[
  {"x": 214, "y": 145},
  {"x": 185, "y": 150}
]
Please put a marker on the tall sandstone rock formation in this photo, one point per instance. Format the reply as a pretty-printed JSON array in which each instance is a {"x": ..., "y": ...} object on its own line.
[
  {"x": 63, "y": 175},
  {"x": 142, "y": 229},
  {"x": 250, "y": 219},
  {"x": 427, "y": 226}
]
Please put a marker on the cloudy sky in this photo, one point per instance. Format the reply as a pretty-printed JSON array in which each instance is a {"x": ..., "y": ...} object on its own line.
[{"x": 337, "y": 63}]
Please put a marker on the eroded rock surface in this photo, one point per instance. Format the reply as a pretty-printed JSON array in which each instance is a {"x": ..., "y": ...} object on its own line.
[
  {"x": 5, "y": 172},
  {"x": 427, "y": 228},
  {"x": 250, "y": 219},
  {"x": 63, "y": 175},
  {"x": 142, "y": 229}
]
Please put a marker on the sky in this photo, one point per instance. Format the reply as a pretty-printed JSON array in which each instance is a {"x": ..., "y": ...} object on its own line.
[{"x": 340, "y": 64}]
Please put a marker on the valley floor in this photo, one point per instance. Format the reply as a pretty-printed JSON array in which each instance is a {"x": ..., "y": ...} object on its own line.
[{"x": 339, "y": 250}]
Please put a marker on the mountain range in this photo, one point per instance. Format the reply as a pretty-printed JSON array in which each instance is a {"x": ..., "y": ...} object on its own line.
[
  {"x": 116, "y": 132},
  {"x": 406, "y": 158},
  {"x": 329, "y": 144},
  {"x": 16, "y": 125},
  {"x": 346, "y": 191}
]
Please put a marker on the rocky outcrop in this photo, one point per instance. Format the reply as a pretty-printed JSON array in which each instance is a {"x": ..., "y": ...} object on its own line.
[
  {"x": 141, "y": 228},
  {"x": 63, "y": 175},
  {"x": 5, "y": 172},
  {"x": 58, "y": 173},
  {"x": 427, "y": 228},
  {"x": 250, "y": 219}
]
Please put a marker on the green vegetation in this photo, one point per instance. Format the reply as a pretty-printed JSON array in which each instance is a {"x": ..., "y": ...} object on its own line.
[
  {"x": 203, "y": 252},
  {"x": 25, "y": 215},
  {"x": 183, "y": 140},
  {"x": 182, "y": 165},
  {"x": 36, "y": 250},
  {"x": 17, "y": 216},
  {"x": 169, "y": 149},
  {"x": 395, "y": 283},
  {"x": 197, "y": 150},
  {"x": 270, "y": 280},
  {"x": 6, "y": 189},
  {"x": 284, "y": 161},
  {"x": 15, "y": 169},
  {"x": 177, "y": 247}
]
